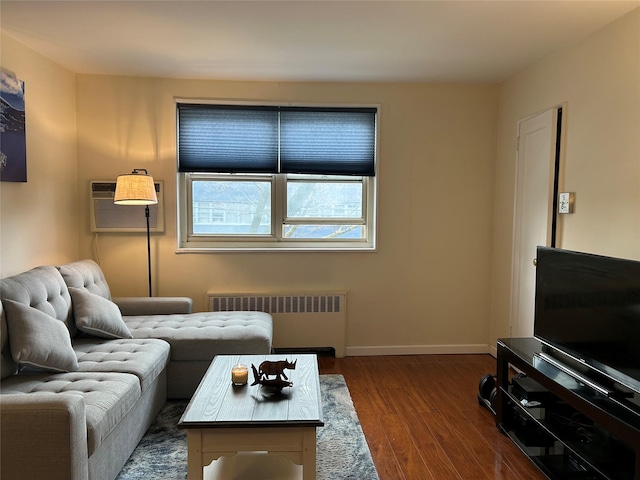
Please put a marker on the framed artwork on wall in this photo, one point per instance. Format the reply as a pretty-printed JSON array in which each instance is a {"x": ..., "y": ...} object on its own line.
[{"x": 13, "y": 142}]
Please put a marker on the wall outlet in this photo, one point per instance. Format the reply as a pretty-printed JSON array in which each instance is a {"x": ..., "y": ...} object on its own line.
[{"x": 565, "y": 202}]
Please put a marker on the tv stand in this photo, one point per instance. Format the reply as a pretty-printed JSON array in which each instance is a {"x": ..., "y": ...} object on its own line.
[{"x": 577, "y": 430}]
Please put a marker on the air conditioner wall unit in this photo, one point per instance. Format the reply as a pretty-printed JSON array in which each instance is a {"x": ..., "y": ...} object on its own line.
[{"x": 106, "y": 216}]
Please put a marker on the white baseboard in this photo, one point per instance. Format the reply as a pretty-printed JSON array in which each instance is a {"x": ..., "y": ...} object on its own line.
[{"x": 416, "y": 350}]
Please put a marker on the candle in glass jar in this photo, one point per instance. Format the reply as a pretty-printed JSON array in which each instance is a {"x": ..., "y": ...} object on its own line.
[{"x": 239, "y": 374}]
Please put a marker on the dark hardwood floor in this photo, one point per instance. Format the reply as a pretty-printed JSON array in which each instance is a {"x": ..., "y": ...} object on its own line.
[{"x": 421, "y": 418}]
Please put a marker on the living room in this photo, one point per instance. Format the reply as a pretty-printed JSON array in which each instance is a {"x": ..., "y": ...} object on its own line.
[{"x": 439, "y": 280}]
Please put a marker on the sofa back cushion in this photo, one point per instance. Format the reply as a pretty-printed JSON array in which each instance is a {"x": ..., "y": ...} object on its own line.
[
  {"x": 42, "y": 288},
  {"x": 86, "y": 274},
  {"x": 7, "y": 366}
]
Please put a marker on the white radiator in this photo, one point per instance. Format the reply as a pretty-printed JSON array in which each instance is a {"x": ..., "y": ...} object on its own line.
[{"x": 300, "y": 320}]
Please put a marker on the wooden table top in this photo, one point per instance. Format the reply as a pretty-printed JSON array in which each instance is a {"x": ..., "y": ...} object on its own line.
[{"x": 217, "y": 403}]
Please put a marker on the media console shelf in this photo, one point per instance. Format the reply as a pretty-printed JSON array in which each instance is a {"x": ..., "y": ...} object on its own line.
[{"x": 572, "y": 428}]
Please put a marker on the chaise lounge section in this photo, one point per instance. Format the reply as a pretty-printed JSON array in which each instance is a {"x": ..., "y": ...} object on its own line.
[{"x": 82, "y": 378}]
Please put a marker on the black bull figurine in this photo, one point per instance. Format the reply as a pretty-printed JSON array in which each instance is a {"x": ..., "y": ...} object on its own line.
[{"x": 268, "y": 368}]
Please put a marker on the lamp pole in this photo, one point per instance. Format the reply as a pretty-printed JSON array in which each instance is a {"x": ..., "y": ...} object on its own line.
[{"x": 146, "y": 214}]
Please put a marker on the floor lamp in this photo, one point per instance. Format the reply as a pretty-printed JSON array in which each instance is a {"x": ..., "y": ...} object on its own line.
[{"x": 137, "y": 188}]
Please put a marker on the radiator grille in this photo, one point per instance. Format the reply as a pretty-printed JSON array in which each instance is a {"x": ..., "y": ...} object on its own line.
[
  {"x": 300, "y": 320},
  {"x": 325, "y": 303}
]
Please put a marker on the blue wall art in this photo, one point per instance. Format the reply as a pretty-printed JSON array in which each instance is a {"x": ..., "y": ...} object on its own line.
[{"x": 13, "y": 142}]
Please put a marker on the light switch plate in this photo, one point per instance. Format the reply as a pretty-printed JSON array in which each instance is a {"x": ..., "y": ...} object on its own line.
[{"x": 565, "y": 202}]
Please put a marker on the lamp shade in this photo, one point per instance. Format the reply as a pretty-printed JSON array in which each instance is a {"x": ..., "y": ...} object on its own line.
[{"x": 135, "y": 189}]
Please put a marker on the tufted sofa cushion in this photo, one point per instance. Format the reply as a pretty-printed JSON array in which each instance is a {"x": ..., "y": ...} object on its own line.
[
  {"x": 42, "y": 288},
  {"x": 144, "y": 358},
  {"x": 204, "y": 335},
  {"x": 86, "y": 274},
  {"x": 107, "y": 396}
]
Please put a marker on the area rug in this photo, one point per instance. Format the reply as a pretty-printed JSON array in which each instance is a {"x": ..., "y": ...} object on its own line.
[{"x": 342, "y": 451}]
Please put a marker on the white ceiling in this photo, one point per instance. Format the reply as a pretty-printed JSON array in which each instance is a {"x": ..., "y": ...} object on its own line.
[{"x": 357, "y": 40}]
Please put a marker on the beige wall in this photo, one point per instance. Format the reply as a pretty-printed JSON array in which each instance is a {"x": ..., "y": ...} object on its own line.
[
  {"x": 445, "y": 188},
  {"x": 39, "y": 219},
  {"x": 599, "y": 79},
  {"x": 427, "y": 283}
]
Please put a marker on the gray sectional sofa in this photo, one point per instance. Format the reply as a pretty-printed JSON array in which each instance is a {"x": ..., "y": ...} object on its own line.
[{"x": 83, "y": 375}]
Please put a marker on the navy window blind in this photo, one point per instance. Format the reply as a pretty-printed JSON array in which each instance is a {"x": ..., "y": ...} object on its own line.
[
  {"x": 247, "y": 139},
  {"x": 227, "y": 139}
]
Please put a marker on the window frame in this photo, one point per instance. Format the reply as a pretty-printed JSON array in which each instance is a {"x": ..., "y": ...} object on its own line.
[{"x": 188, "y": 242}]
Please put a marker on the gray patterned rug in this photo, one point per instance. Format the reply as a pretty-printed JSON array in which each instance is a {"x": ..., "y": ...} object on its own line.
[{"x": 342, "y": 451}]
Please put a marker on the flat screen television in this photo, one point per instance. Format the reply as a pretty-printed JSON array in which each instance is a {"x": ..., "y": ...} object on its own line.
[{"x": 587, "y": 307}]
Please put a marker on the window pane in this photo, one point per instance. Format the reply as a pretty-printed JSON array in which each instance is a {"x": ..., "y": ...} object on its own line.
[
  {"x": 328, "y": 232},
  {"x": 229, "y": 207},
  {"x": 320, "y": 199}
]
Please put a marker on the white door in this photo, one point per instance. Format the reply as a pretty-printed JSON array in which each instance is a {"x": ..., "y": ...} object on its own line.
[{"x": 534, "y": 211}]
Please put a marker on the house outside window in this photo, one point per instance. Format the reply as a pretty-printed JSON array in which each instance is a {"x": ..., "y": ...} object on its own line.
[{"x": 276, "y": 178}]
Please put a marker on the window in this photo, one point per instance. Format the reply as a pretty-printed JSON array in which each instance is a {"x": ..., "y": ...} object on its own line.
[{"x": 269, "y": 177}]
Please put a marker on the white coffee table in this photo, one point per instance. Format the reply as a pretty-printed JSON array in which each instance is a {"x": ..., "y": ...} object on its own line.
[{"x": 223, "y": 420}]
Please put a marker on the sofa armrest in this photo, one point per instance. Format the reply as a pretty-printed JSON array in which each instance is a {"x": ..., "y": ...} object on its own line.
[
  {"x": 153, "y": 305},
  {"x": 43, "y": 435}
]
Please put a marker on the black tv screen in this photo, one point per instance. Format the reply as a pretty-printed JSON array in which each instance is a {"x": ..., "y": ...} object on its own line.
[{"x": 588, "y": 306}]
